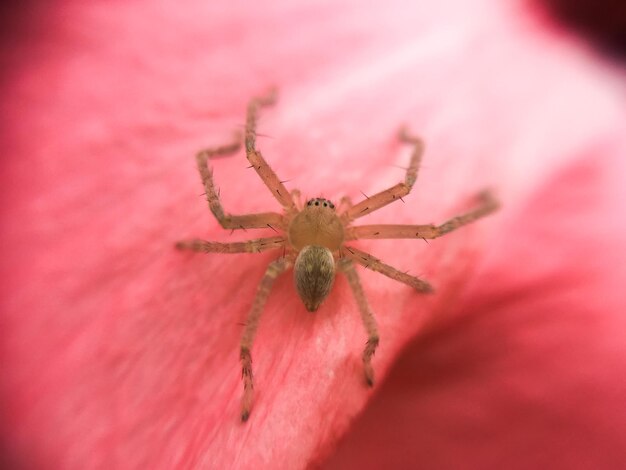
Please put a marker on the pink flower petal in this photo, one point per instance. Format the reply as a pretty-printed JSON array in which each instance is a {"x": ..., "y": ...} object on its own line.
[
  {"x": 121, "y": 352},
  {"x": 530, "y": 372}
]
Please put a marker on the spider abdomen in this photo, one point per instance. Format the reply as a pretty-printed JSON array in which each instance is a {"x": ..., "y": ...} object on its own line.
[
  {"x": 316, "y": 226},
  {"x": 314, "y": 274}
]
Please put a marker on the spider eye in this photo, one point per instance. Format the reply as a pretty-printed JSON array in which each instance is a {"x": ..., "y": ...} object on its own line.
[
  {"x": 317, "y": 203},
  {"x": 325, "y": 205},
  {"x": 309, "y": 203},
  {"x": 332, "y": 206}
]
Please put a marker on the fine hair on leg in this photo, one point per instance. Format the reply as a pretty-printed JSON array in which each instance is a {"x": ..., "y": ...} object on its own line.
[
  {"x": 370, "y": 262},
  {"x": 255, "y": 158},
  {"x": 487, "y": 205},
  {"x": 274, "y": 269},
  {"x": 367, "y": 316},
  {"x": 230, "y": 221},
  {"x": 381, "y": 199},
  {"x": 250, "y": 246}
]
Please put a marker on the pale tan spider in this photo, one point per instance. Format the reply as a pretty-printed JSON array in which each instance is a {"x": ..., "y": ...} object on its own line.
[{"x": 314, "y": 239}]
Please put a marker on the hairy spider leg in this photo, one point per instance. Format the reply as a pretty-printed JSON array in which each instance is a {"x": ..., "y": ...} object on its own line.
[
  {"x": 274, "y": 269},
  {"x": 487, "y": 205},
  {"x": 370, "y": 262},
  {"x": 255, "y": 158},
  {"x": 229, "y": 221},
  {"x": 250, "y": 246},
  {"x": 367, "y": 316},
  {"x": 381, "y": 199}
]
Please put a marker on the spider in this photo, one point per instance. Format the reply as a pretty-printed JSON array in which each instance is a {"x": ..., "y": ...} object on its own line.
[{"x": 313, "y": 239}]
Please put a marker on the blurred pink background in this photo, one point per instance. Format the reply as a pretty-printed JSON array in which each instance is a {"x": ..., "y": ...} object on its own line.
[{"x": 119, "y": 352}]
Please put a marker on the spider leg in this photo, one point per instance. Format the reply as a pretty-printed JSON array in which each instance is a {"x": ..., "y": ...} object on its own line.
[
  {"x": 229, "y": 221},
  {"x": 488, "y": 204},
  {"x": 254, "y": 155},
  {"x": 367, "y": 316},
  {"x": 250, "y": 246},
  {"x": 274, "y": 269},
  {"x": 370, "y": 262},
  {"x": 381, "y": 199}
]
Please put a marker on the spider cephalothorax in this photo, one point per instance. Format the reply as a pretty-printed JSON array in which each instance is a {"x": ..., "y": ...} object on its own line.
[{"x": 315, "y": 240}]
